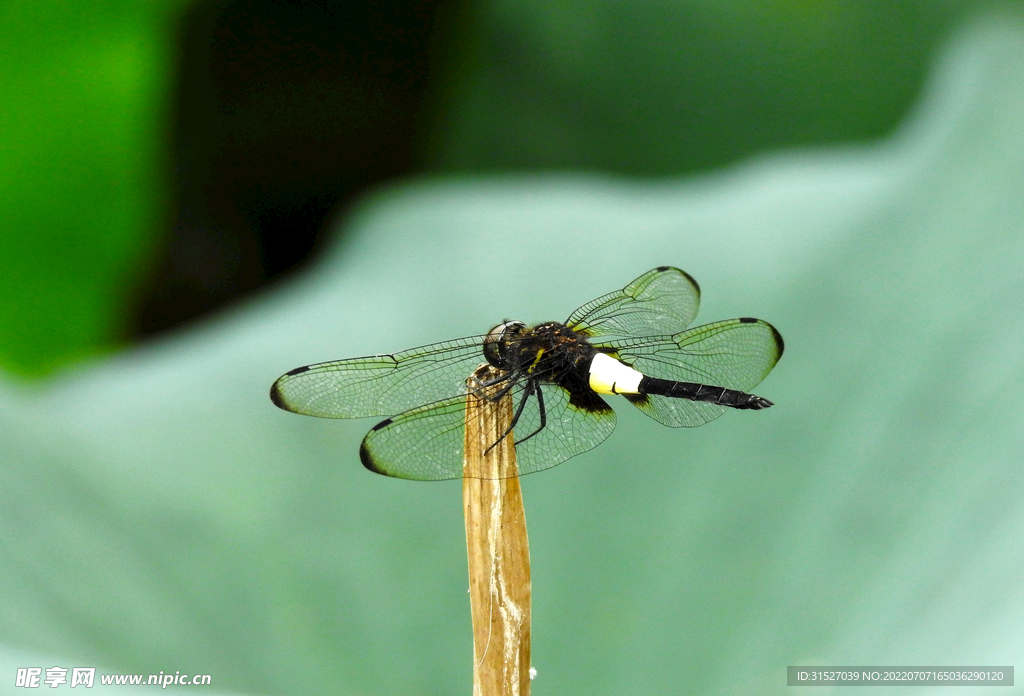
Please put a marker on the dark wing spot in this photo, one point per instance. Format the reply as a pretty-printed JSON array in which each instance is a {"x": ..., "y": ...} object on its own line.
[
  {"x": 277, "y": 398},
  {"x": 778, "y": 340},
  {"x": 297, "y": 371},
  {"x": 638, "y": 400},
  {"x": 696, "y": 285},
  {"x": 775, "y": 332},
  {"x": 364, "y": 451},
  {"x": 367, "y": 460}
]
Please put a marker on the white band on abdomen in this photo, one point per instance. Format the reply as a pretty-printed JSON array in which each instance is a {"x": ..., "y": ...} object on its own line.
[{"x": 609, "y": 376}]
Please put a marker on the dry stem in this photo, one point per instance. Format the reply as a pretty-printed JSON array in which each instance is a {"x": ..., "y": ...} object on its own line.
[{"x": 499, "y": 554}]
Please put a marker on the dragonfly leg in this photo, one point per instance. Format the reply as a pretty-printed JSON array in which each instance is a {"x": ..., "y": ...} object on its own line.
[
  {"x": 513, "y": 380},
  {"x": 497, "y": 380},
  {"x": 510, "y": 377},
  {"x": 543, "y": 416},
  {"x": 528, "y": 391}
]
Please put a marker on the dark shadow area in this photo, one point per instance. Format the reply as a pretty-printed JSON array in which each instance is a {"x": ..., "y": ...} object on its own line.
[
  {"x": 285, "y": 110},
  {"x": 288, "y": 110}
]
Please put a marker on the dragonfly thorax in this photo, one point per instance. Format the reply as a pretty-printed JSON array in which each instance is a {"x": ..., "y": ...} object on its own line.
[{"x": 545, "y": 351}]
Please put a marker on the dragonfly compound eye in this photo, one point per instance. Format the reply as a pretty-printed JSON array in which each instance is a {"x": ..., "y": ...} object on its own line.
[{"x": 496, "y": 345}]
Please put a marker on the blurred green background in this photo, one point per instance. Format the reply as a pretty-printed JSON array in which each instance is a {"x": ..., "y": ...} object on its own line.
[
  {"x": 160, "y": 158},
  {"x": 852, "y": 173}
]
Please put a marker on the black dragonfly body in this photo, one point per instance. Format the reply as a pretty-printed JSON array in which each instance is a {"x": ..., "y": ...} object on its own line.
[{"x": 633, "y": 342}]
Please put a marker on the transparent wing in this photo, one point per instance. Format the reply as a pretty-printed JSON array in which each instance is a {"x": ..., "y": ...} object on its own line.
[
  {"x": 662, "y": 301},
  {"x": 426, "y": 443},
  {"x": 423, "y": 444},
  {"x": 571, "y": 429},
  {"x": 677, "y": 413},
  {"x": 380, "y": 385},
  {"x": 735, "y": 353}
]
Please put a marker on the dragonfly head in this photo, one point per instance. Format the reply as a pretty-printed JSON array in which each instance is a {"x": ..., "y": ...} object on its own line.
[{"x": 497, "y": 344}]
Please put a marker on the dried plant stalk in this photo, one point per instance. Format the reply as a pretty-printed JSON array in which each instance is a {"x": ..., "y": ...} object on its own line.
[{"x": 499, "y": 554}]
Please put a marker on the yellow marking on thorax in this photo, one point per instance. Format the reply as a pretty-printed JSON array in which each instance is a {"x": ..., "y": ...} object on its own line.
[{"x": 536, "y": 361}]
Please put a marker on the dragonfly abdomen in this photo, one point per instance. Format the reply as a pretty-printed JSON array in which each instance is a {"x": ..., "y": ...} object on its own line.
[{"x": 702, "y": 392}]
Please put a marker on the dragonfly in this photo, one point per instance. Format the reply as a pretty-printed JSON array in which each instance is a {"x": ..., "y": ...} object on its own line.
[{"x": 633, "y": 343}]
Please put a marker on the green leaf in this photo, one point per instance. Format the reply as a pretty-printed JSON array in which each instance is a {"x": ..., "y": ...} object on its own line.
[
  {"x": 84, "y": 88},
  {"x": 158, "y": 513}
]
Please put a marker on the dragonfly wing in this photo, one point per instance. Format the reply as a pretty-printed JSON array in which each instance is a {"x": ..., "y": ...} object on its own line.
[
  {"x": 380, "y": 385},
  {"x": 662, "y": 301},
  {"x": 427, "y": 443},
  {"x": 572, "y": 426},
  {"x": 676, "y": 413},
  {"x": 423, "y": 444},
  {"x": 736, "y": 354}
]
